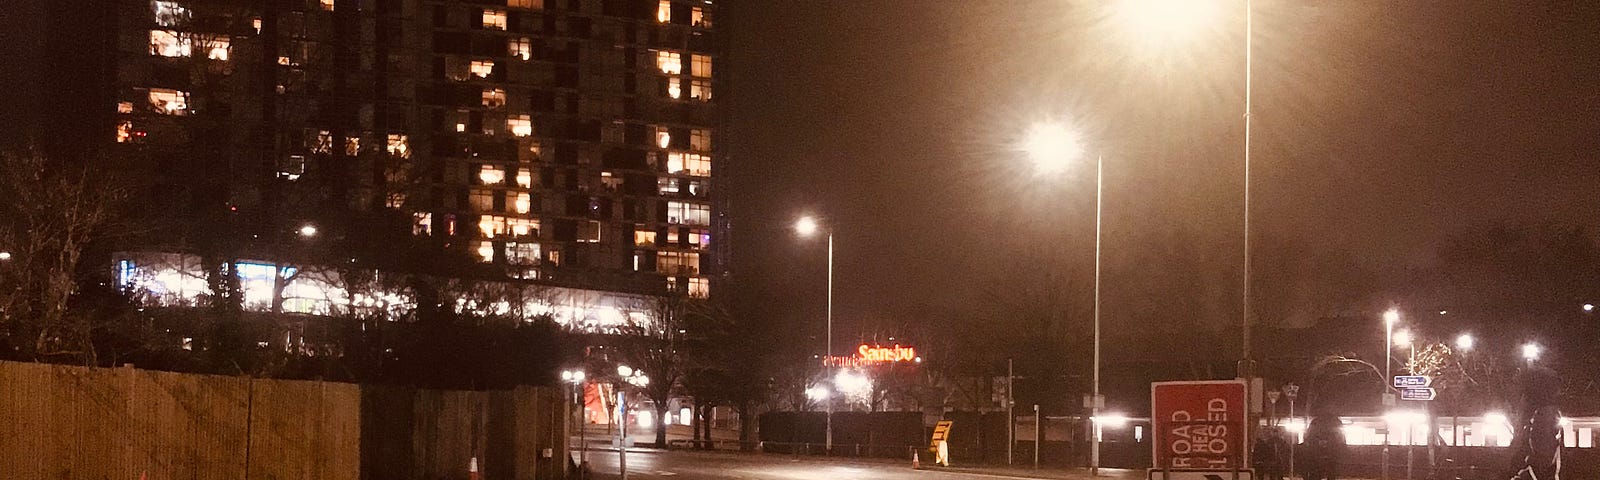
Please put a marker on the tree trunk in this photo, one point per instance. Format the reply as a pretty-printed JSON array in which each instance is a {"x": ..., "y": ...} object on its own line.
[
  {"x": 695, "y": 425},
  {"x": 747, "y": 440},
  {"x": 661, "y": 424}
]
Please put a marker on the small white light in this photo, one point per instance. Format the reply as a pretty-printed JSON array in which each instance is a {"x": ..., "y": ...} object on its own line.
[
  {"x": 646, "y": 419},
  {"x": 1111, "y": 420},
  {"x": 1391, "y": 317},
  {"x": 308, "y": 230},
  {"x": 1530, "y": 351},
  {"x": 624, "y": 370},
  {"x": 806, "y": 226},
  {"x": 1588, "y": 307},
  {"x": 5, "y": 255},
  {"x": 1402, "y": 338},
  {"x": 817, "y": 393},
  {"x": 1465, "y": 342}
]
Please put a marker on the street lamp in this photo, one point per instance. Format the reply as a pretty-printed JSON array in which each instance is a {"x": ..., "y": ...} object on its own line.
[
  {"x": 808, "y": 226},
  {"x": 575, "y": 379},
  {"x": 1052, "y": 146},
  {"x": 5, "y": 255},
  {"x": 308, "y": 230},
  {"x": 1531, "y": 351},
  {"x": 1464, "y": 342},
  {"x": 1587, "y": 307}
]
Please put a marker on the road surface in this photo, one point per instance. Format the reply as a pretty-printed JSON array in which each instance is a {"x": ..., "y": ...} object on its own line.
[{"x": 688, "y": 465}]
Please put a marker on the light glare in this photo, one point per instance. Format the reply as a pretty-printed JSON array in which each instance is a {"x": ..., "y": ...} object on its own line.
[
  {"x": 806, "y": 226},
  {"x": 1465, "y": 342},
  {"x": 308, "y": 231},
  {"x": 1161, "y": 26},
  {"x": 1391, "y": 317},
  {"x": 1402, "y": 338},
  {"x": 1051, "y": 146},
  {"x": 1530, "y": 351}
]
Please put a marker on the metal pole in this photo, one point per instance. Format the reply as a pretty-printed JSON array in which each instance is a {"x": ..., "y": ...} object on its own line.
[
  {"x": 1011, "y": 418},
  {"x": 829, "y": 439},
  {"x": 622, "y": 430},
  {"x": 1293, "y": 439},
  {"x": 583, "y": 441},
  {"x": 1246, "y": 368},
  {"x": 1038, "y": 434},
  {"x": 1388, "y": 376},
  {"x": 1094, "y": 403}
]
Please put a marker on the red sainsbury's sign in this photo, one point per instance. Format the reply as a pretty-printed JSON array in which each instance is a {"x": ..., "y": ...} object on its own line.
[{"x": 1199, "y": 425}]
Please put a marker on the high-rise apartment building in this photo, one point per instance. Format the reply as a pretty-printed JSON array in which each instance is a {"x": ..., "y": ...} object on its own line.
[{"x": 556, "y": 142}]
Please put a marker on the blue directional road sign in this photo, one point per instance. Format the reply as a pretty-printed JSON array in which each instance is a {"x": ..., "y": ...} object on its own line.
[
  {"x": 1412, "y": 381},
  {"x": 1419, "y": 394}
]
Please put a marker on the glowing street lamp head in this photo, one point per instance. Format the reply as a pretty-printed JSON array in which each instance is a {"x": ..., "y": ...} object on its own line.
[
  {"x": 5, "y": 255},
  {"x": 817, "y": 394},
  {"x": 1530, "y": 351},
  {"x": 1465, "y": 342},
  {"x": 1051, "y": 146},
  {"x": 308, "y": 230},
  {"x": 1402, "y": 338},
  {"x": 1391, "y": 317},
  {"x": 1588, "y": 308},
  {"x": 624, "y": 370},
  {"x": 1161, "y": 26},
  {"x": 806, "y": 226}
]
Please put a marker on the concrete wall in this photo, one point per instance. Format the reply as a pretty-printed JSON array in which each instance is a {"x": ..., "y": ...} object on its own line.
[{"x": 60, "y": 422}]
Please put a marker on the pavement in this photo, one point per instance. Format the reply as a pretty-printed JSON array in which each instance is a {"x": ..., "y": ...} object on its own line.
[{"x": 682, "y": 464}]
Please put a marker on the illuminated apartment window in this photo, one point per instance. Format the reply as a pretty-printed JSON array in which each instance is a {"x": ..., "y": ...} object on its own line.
[
  {"x": 482, "y": 68},
  {"x": 485, "y": 251},
  {"x": 482, "y": 200},
  {"x": 699, "y": 287},
  {"x": 698, "y": 237},
  {"x": 534, "y": 4},
  {"x": 697, "y": 164},
  {"x": 688, "y": 213},
  {"x": 589, "y": 232},
  {"x": 670, "y": 63},
  {"x": 493, "y": 19},
  {"x": 697, "y": 187},
  {"x": 700, "y": 65},
  {"x": 168, "y": 43},
  {"x": 644, "y": 238},
  {"x": 674, "y": 162},
  {"x": 292, "y": 167},
  {"x": 124, "y": 132},
  {"x": 421, "y": 223},
  {"x": 700, "y": 89},
  {"x": 170, "y": 102},
  {"x": 124, "y": 107},
  {"x": 327, "y": 5},
  {"x": 216, "y": 47},
  {"x": 667, "y": 185},
  {"x": 256, "y": 24},
  {"x": 491, "y": 175},
  {"x": 323, "y": 142},
  {"x": 170, "y": 14},
  {"x": 523, "y": 227},
  {"x": 352, "y": 146},
  {"x": 494, "y": 97},
  {"x": 672, "y": 235},
  {"x": 491, "y": 225},
  {"x": 522, "y": 253},
  {"x": 524, "y": 178},
  {"x": 674, "y": 87},
  {"x": 524, "y": 202},
  {"x": 399, "y": 145},
  {"x": 555, "y": 257},
  {"x": 520, "y": 125},
  {"x": 700, "y": 139},
  {"x": 521, "y": 48},
  {"x": 664, "y": 11},
  {"x": 663, "y": 137},
  {"x": 461, "y": 127},
  {"x": 611, "y": 182},
  {"x": 697, "y": 17},
  {"x": 395, "y": 200},
  {"x": 678, "y": 263}
]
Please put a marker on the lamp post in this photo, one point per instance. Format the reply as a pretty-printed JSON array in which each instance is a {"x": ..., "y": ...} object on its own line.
[
  {"x": 808, "y": 226},
  {"x": 1464, "y": 343},
  {"x": 1389, "y": 319},
  {"x": 575, "y": 379},
  {"x": 1051, "y": 147}
]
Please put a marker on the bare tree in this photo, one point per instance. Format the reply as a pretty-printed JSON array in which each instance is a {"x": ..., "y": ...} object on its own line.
[{"x": 49, "y": 213}]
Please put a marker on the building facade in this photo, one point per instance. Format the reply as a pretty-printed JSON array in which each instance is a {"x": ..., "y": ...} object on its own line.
[{"x": 567, "y": 143}]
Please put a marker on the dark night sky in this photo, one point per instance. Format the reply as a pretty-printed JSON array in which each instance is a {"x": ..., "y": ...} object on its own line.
[{"x": 1380, "y": 128}]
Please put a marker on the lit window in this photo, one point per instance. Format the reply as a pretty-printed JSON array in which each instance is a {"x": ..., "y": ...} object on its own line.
[
  {"x": 491, "y": 225},
  {"x": 555, "y": 257},
  {"x": 399, "y": 145},
  {"x": 494, "y": 97},
  {"x": 644, "y": 238},
  {"x": 395, "y": 200},
  {"x": 664, "y": 11},
  {"x": 256, "y": 24},
  {"x": 168, "y": 43},
  {"x": 170, "y": 14},
  {"x": 700, "y": 139},
  {"x": 323, "y": 142},
  {"x": 700, "y": 89},
  {"x": 524, "y": 178},
  {"x": 524, "y": 202},
  {"x": 670, "y": 63},
  {"x": 674, "y": 162},
  {"x": 667, "y": 185},
  {"x": 693, "y": 164},
  {"x": 124, "y": 132},
  {"x": 674, "y": 87},
  {"x": 678, "y": 263},
  {"x": 697, "y": 17},
  {"x": 612, "y": 182},
  {"x": 672, "y": 235},
  {"x": 352, "y": 146},
  {"x": 520, "y": 125},
  {"x": 482, "y": 68},
  {"x": 699, "y": 287},
  {"x": 124, "y": 107},
  {"x": 491, "y": 175},
  {"x": 327, "y": 5},
  {"x": 216, "y": 47},
  {"x": 485, "y": 251},
  {"x": 521, "y": 48},
  {"x": 663, "y": 137},
  {"x": 170, "y": 102},
  {"x": 523, "y": 227},
  {"x": 589, "y": 232},
  {"x": 701, "y": 65},
  {"x": 525, "y": 3},
  {"x": 696, "y": 237},
  {"x": 292, "y": 167},
  {"x": 482, "y": 200},
  {"x": 421, "y": 223},
  {"x": 493, "y": 19},
  {"x": 461, "y": 127},
  {"x": 522, "y": 253},
  {"x": 697, "y": 187},
  {"x": 688, "y": 214}
]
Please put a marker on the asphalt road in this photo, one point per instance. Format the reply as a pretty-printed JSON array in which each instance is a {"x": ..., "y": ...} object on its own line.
[{"x": 686, "y": 465}]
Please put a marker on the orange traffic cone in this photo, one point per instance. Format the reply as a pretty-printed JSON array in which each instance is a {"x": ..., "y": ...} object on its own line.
[
  {"x": 472, "y": 469},
  {"x": 141, "y": 476},
  {"x": 915, "y": 461}
]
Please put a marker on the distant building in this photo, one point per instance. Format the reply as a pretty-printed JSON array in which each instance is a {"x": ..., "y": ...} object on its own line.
[{"x": 560, "y": 143}]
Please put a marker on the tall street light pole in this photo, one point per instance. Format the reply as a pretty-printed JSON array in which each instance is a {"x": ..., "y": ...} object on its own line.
[
  {"x": 1052, "y": 147},
  {"x": 808, "y": 226}
]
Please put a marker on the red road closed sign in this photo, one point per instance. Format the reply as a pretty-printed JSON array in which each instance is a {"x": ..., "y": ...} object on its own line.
[{"x": 1199, "y": 425}]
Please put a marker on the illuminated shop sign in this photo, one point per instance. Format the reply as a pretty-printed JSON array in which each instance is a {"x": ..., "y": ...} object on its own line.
[{"x": 873, "y": 355}]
